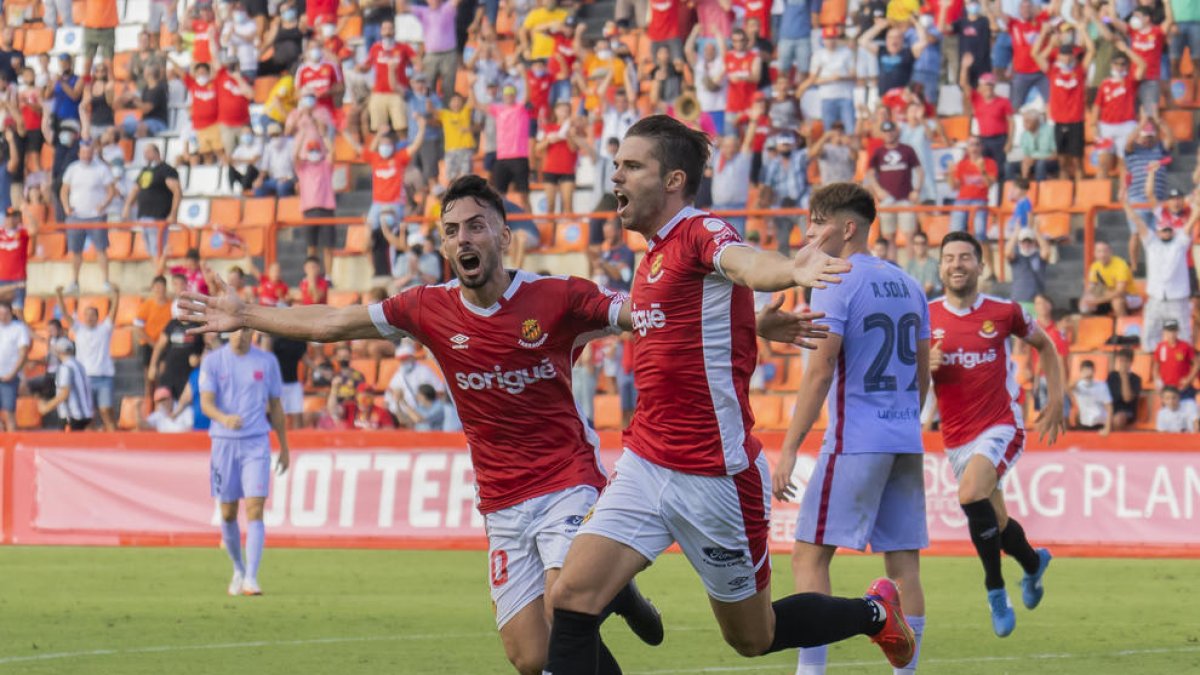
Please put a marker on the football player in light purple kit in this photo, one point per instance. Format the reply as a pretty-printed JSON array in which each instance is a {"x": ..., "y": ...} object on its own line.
[
  {"x": 868, "y": 486},
  {"x": 240, "y": 387}
]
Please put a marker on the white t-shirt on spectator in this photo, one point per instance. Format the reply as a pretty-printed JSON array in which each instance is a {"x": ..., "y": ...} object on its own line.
[
  {"x": 1092, "y": 397},
  {"x": 408, "y": 380},
  {"x": 92, "y": 348},
  {"x": 13, "y": 336},
  {"x": 241, "y": 37},
  {"x": 1166, "y": 266},
  {"x": 163, "y": 424},
  {"x": 1178, "y": 421},
  {"x": 838, "y": 63},
  {"x": 88, "y": 184},
  {"x": 710, "y": 100}
]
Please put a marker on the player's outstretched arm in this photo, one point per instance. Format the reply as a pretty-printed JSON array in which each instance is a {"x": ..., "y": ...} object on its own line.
[
  {"x": 818, "y": 376},
  {"x": 1050, "y": 421},
  {"x": 770, "y": 271},
  {"x": 224, "y": 311}
]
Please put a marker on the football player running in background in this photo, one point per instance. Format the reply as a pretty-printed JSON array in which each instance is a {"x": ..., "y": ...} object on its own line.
[
  {"x": 868, "y": 486},
  {"x": 976, "y": 387}
]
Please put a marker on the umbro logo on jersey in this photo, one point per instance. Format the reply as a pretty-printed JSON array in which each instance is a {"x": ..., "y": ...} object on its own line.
[
  {"x": 988, "y": 329},
  {"x": 656, "y": 270},
  {"x": 459, "y": 341}
]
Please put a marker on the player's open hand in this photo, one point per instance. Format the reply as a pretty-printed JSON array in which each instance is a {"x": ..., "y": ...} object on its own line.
[
  {"x": 781, "y": 477},
  {"x": 1050, "y": 422},
  {"x": 232, "y": 422},
  {"x": 816, "y": 268},
  {"x": 935, "y": 356},
  {"x": 220, "y": 312},
  {"x": 283, "y": 462},
  {"x": 790, "y": 327}
]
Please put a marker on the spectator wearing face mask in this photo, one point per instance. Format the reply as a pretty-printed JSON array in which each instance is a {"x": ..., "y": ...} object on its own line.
[
  {"x": 1168, "y": 284},
  {"x": 205, "y": 113},
  {"x": 314, "y": 175},
  {"x": 286, "y": 42},
  {"x": 277, "y": 171},
  {"x": 204, "y": 34},
  {"x": 234, "y": 95},
  {"x": 1115, "y": 109},
  {"x": 388, "y": 61},
  {"x": 1023, "y": 31},
  {"x": 387, "y": 189},
  {"x": 1067, "y": 77},
  {"x": 1147, "y": 39},
  {"x": 320, "y": 78},
  {"x": 243, "y": 161},
  {"x": 240, "y": 34}
]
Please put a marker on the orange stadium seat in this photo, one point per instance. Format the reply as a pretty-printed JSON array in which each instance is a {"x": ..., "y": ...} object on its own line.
[
  {"x": 254, "y": 240},
  {"x": 368, "y": 367},
  {"x": 287, "y": 210},
  {"x": 1055, "y": 226},
  {"x": 121, "y": 345},
  {"x": 226, "y": 212},
  {"x": 50, "y": 246},
  {"x": 314, "y": 404},
  {"x": 1101, "y": 360},
  {"x": 768, "y": 410},
  {"x": 228, "y": 248},
  {"x": 99, "y": 302},
  {"x": 127, "y": 308},
  {"x": 258, "y": 211},
  {"x": 1093, "y": 192},
  {"x": 128, "y": 419},
  {"x": 1092, "y": 333},
  {"x": 34, "y": 307},
  {"x": 38, "y": 41},
  {"x": 957, "y": 128},
  {"x": 28, "y": 416},
  {"x": 262, "y": 87},
  {"x": 178, "y": 243},
  {"x": 936, "y": 227},
  {"x": 570, "y": 236},
  {"x": 1182, "y": 124},
  {"x": 1055, "y": 194},
  {"x": 608, "y": 412},
  {"x": 387, "y": 368},
  {"x": 357, "y": 239},
  {"x": 120, "y": 244},
  {"x": 38, "y": 349}
]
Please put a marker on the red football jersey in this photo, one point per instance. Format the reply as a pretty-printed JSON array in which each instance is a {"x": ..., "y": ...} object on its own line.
[
  {"x": 1067, "y": 89},
  {"x": 739, "y": 95},
  {"x": 1148, "y": 44},
  {"x": 233, "y": 109},
  {"x": 14, "y": 254},
  {"x": 321, "y": 77},
  {"x": 204, "y": 102},
  {"x": 1117, "y": 100},
  {"x": 663, "y": 24},
  {"x": 1024, "y": 35},
  {"x": 508, "y": 367},
  {"x": 975, "y": 361},
  {"x": 694, "y": 351}
]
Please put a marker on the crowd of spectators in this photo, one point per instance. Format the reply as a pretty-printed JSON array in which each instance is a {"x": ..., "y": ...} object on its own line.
[{"x": 794, "y": 92}]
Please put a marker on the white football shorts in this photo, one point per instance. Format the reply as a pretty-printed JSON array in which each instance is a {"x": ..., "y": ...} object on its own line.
[
  {"x": 720, "y": 522},
  {"x": 525, "y": 540},
  {"x": 857, "y": 499},
  {"x": 1001, "y": 444}
]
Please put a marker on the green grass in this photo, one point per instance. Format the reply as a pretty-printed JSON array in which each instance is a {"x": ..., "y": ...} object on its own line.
[{"x": 132, "y": 611}]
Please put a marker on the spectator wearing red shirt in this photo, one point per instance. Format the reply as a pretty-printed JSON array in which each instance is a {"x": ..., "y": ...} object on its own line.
[
  {"x": 743, "y": 69},
  {"x": 558, "y": 143},
  {"x": 388, "y": 59},
  {"x": 14, "y": 258},
  {"x": 314, "y": 287},
  {"x": 193, "y": 272},
  {"x": 1024, "y": 32},
  {"x": 993, "y": 114},
  {"x": 204, "y": 28},
  {"x": 272, "y": 290},
  {"x": 1067, "y": 76},
  {"x": 757, "y": 9},
  {"x": 363, "y": 413},
  {"x": 568, "y": 40},
  {"x": 1147, "y": 40},
  {"x": 205, "y": 112},
  {"x": 1174, "y": 363},
  {"x": 973, "y": 176},
  {"x": 1115, "y": 109},
  {"x": 663, "y": 27},
  {"x": 538, "y": 86},
  {"x": 388, "y": 165},
  {"x": 234, "y": 95},
  {"x": 320, "y": 78}
]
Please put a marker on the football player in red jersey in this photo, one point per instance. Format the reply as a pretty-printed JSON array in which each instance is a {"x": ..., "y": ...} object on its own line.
[
  {"x": 505, "y": 341},
  {"x": 975, "y": 383},
  {"x": 692, "y": 473}
]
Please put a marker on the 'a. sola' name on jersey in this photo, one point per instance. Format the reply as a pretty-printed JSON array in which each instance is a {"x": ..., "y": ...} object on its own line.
[
  {"x": 645, "y": 319},
  {"x": 511, "y": 381},
  {"x": 967, "y": 359}
]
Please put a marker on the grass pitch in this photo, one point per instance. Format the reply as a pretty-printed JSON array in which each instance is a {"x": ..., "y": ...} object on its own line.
[{"x": 133, "y": 611}]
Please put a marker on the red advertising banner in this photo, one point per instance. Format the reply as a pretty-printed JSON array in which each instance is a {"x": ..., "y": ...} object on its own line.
[{"x": 1132, "y": 494}]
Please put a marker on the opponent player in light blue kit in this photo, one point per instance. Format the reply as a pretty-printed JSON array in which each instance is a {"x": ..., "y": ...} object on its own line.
[
  {"x": 240, "y": 387},
  {"x": 868, "y": 486}
]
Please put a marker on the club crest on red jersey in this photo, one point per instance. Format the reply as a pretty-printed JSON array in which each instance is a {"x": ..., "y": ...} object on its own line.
[
  {"x": 531, "y": 334},
  {"x": 656, "y": 269},
  {"x": 988, "y": 330}
]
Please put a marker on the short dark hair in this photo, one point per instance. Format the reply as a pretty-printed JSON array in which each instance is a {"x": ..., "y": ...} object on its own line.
[
  {"x": 312, "y": 259},
  {"x": 1125, "y": 354},
  {"x": 1087, "y": 363},
  {"x": 474, "y": 187},
  {"x": 920, "y": 235},
  {"x": 952, "y": 237},
  {"x": 428, "y": 391},
  {"x": 676, "y": 148},
  {"x": 881, "y": 240},
  {"x": 834, "y": 197},
  {"x": 160, "y": 279},
  {"x": 7, "y": 305},
  {"x": 193, "y": 254},
  {"x": 1171, "y": 390},
  {"x": 1022, "y": 183}
]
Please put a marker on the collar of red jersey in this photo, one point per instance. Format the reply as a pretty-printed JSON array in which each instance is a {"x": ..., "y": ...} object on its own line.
[
  {"x": 686, "y": 212},
  {"x": 520, "y": 277},
  {"x": 963, "y": 312}
]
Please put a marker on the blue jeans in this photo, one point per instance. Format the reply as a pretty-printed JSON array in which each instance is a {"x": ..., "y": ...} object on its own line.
[
  {"x": 1188, "y": 36},
  {"x": 279, "y": 188},
  {"x": 1002, "y": 52},
  {"x": 153, "y": 236},
  {"x": 18, "y": 300},
  {"x": 838, "y": 110},
  {"x": 958, "y": 219},
  {"x": 8, "y": 394},
  {"x": 738, "y": 222},
  {"x": 928, "y": 80},
  {"x": 1023, "y": 82},
  {"x": 796, "y": 53},
  {"x": 102, "y": 389}
]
